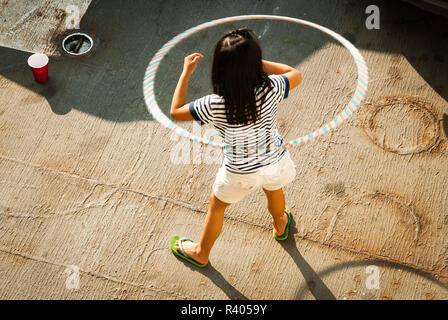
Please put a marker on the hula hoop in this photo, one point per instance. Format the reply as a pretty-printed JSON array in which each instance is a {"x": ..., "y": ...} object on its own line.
[{"x": 151, "y": 71}]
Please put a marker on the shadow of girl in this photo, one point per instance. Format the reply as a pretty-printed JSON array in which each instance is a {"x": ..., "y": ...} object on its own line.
[
  {"x": 217, "y": 278},
  {"x": 314, "y": 283}
]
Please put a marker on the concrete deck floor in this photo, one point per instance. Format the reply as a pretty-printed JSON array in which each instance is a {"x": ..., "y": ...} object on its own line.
[{"x": 86, "y": 177}]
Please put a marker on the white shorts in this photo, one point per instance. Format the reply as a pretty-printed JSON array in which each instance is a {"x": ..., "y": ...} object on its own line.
[{"x": 230, "y": 187}]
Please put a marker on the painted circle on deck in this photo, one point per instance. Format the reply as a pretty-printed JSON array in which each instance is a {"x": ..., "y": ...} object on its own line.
[{"x": 157, "y": 114}]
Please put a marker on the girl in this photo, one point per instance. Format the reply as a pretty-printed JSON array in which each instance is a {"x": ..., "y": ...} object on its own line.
[{"x": 243, "y": 109}]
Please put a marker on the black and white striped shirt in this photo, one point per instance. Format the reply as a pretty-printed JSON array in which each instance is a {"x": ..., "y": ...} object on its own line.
[{"x": 254, "y": 137}]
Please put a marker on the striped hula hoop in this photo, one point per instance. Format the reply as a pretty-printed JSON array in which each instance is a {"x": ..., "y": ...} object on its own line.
[{"x": 151, "y": 71}]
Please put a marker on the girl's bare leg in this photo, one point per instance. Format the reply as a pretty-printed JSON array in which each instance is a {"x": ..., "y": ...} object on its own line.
[
  {"x": 276, "y": 206},
  {"x": 210, "y": 231}
]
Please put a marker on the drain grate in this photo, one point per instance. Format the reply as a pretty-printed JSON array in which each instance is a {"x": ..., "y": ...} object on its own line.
[{"x": 77, "y": 44}]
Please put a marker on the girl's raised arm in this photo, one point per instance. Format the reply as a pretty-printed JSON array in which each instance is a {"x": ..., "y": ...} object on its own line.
[
  {"x": 179, "y": 107},
  {"x": 294, "y": 76}
]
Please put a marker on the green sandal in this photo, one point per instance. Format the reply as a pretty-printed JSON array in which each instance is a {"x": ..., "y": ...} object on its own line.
[
  {"x": 182, "y": 253},
  {"x": 284, "y": 236}
]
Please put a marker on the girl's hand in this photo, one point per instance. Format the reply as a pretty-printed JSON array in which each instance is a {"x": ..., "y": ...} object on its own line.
[{"x": 190, "y": 62}]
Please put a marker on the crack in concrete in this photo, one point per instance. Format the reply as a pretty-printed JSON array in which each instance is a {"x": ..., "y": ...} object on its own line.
[
  {"x": 105, "y": 146},
  {"x": 19, "y": 24},
  {"x": 137, "y": 164},
  {"x": 196, "y": 209},
  {"x": 24, "y": 185},
  {"x": 92, "y": 273},
  {"x": 70, "y": 212},
  {"x": 64, "y": 173}
]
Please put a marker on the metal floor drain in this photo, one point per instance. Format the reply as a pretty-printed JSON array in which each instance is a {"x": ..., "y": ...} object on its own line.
[{"x": 77, "y": 44}]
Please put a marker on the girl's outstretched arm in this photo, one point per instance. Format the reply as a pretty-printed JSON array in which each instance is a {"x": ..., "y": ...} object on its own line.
[
  {"x": 179, "y": 107},
  {"x": 294, "y": 76}
]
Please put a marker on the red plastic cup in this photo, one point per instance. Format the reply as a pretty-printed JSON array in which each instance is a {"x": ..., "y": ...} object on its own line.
[{"x": 39, "y": 65}]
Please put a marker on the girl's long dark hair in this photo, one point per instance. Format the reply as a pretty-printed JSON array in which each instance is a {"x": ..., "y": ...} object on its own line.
[{"x": 237, "y": 72}]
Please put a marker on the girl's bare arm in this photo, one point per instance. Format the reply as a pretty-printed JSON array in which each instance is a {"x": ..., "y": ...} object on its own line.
[
  {"x": 294, "y": 76},
  {"x": 179, "y": 107}
]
